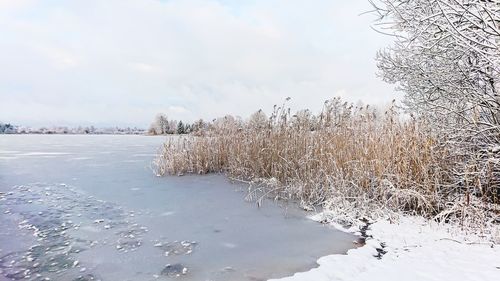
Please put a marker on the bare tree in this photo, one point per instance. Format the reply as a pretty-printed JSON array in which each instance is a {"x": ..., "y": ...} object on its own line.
[
  {"x": 199, "y": 126},
  {"x": 160, "y": 125},
  {"x": 258, "y": 120},
  {"x": 446, "y": 59}
]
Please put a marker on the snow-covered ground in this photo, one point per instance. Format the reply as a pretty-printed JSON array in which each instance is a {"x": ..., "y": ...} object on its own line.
[{"x": 416, "y": 249}]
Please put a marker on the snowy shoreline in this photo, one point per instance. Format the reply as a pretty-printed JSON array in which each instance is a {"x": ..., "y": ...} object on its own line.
[{"x": 414, "y": 248}]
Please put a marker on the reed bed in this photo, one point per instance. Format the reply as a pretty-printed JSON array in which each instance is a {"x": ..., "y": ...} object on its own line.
[{"x": 357, "y": 161}]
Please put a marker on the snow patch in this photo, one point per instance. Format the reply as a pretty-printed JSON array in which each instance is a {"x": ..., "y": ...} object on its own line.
[{"x": 411, "y": 249}]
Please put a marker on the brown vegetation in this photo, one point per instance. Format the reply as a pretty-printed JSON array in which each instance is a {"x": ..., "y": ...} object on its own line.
[{"x": 354, "y": 159}]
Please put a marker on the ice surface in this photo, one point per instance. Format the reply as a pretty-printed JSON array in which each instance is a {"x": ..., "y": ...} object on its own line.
[{"x": 111, "y": 219}]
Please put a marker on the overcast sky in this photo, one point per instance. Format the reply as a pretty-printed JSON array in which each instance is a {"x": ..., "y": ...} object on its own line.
[{"x": 122, "y": 61}]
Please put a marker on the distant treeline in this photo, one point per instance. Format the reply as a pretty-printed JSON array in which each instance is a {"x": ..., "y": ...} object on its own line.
[
  {"x": 12, "y": 129},
  {"x": 7, "y": 128},
  {"x": 162, "y": 125}
]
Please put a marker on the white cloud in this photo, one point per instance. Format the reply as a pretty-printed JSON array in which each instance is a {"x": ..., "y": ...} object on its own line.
[
  {"x": 14, "y": 4},
  {"x": 189, "y": 58},
  {"x": 60, "y": 58},
  {"x": 177, "y": 109},
  {"x": 145, "y": 67}
]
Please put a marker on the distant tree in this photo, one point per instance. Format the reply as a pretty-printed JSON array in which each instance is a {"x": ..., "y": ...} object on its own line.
[
  {"x": 152, "y": 129},
  {"x": 198, "y": 127},
  {"x": 160, "y": 125},
  {"x": 258, "y": 120},
  {"x": 187, "y": 128},
  {"x": 180, "y": 128},
  {"x": 7, "y": 128},
  {"x": 172, "y": 127}
]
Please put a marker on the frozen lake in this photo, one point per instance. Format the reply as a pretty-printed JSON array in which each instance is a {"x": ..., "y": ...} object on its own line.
[{"x": 90, "y": 208}]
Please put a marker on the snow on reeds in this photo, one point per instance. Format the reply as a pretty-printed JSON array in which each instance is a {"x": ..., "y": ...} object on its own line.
[{"x": 357, "y": 161}]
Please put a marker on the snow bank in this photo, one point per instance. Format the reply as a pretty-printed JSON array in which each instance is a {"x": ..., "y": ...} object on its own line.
[{"x": 416, "y": 249}]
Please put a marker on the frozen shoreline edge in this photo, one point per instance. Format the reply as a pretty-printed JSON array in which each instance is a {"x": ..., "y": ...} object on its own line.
[{"x": 414, "y": 248}]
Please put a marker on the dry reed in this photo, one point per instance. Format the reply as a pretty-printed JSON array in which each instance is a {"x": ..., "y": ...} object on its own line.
[{"x": 356, "y": 160}]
